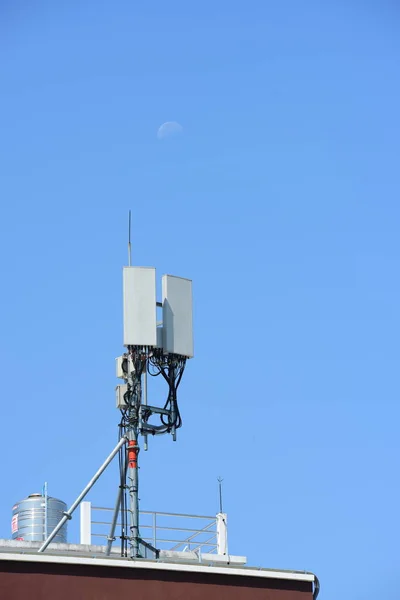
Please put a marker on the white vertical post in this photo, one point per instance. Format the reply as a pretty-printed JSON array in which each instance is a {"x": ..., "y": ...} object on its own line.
[
  {"x": 86, "y": 523},
  {"x": 222, "y": 533}
]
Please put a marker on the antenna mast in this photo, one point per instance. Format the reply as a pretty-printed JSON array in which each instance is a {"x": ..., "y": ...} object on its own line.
[
  {"x": 154, "y": 348},
  {"x": 129, "y": 240},
  {"x": 220, "y": 480}
]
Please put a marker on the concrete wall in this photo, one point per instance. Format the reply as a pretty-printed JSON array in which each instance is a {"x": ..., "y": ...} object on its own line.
[{"x": 52, "y": 581}]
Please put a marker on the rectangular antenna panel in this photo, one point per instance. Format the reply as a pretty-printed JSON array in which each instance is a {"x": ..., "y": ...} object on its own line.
[
  {"x": 159, "y": 337},
  {"x": 120, "y": 392},
  {"x": 140, "y": 327},
  {"x": 119, "y": 362},
  {"x": 177, "y": 315}
]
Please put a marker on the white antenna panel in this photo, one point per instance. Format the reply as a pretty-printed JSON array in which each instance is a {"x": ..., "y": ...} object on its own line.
[
  {"x": 177, "y": 315},
  {"x": 160, "y": 337},
  {"x": 140, "y": 326}
]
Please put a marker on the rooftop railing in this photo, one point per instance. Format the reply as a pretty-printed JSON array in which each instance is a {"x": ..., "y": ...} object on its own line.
[{"x": 176, "y": 532}]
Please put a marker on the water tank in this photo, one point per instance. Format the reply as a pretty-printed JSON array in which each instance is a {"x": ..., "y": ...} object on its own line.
[{"x": 29, "y": 517}]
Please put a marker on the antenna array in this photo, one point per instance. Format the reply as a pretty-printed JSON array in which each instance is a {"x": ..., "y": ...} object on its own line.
[{"x": 157, "y": 349}]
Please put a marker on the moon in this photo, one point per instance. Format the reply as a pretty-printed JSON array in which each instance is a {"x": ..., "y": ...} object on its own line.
[{"x": 169, "y": 129}]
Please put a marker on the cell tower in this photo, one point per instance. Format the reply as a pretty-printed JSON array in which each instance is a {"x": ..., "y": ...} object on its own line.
[{"x": 158, "y": 348}]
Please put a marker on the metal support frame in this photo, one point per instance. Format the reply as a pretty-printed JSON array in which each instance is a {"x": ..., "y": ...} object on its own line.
[
  {"x": 111, "y": 536},
  {"x": 132, "y": 432},
  {"x": 133, "y": 451},
  {"x": 68, "y": 515},
  {"x": 137, "y": 385},
  {"x": 137, "y": 414}
]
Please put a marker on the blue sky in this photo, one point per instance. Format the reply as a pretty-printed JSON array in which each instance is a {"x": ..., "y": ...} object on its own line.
[{"x": 280, "y": 199}]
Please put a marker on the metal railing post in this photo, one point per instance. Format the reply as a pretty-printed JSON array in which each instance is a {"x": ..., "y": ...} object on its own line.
[{"x": 155, "y": 530}]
